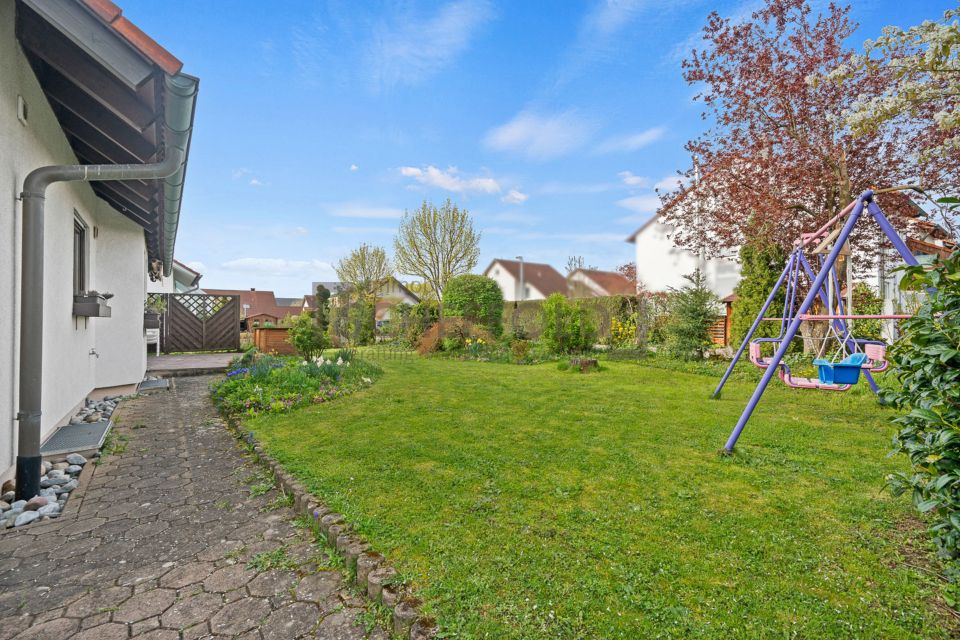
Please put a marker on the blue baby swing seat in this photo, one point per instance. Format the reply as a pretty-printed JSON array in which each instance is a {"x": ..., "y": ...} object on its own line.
[{"x": 847, "y": 371}]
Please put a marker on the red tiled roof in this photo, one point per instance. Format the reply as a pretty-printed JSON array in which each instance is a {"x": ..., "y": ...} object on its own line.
[
  {"x": 260, "y": 303},
  {"x": 112, "y": 15},
  {"x": 612, "y": 282},
  {"x": 543, "y": 277}
]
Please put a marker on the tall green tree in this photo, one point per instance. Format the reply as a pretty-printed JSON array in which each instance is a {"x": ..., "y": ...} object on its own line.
[
  {"x": 321, "y": 314},
  {"x": 761, "y": 264},
  {"x": 365, "y": 270},
  {"x": 436, "y": 244},
  {"x": 692, "y": 309}
]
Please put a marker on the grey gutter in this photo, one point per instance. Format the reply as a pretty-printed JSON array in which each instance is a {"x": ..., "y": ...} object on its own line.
[
  {"x": 179, "y": 101},
  {"x": 178, "y": 115}
]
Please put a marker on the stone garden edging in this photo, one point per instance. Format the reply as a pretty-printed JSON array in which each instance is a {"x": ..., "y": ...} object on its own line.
[{"x": 370, "y": 570}]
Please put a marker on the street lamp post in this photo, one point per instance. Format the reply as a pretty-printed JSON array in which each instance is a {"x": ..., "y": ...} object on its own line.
[{"x": 523, "y": 289}]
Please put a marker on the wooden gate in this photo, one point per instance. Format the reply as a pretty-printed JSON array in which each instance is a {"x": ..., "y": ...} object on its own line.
[{"x": 199, "y": 322}]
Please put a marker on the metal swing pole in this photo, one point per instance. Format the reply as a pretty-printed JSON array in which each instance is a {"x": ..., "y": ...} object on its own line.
[
  {"x": 756, "y": 323},
  {"x": 795, "y": 324},
  {"x": 877, "y": 214}
]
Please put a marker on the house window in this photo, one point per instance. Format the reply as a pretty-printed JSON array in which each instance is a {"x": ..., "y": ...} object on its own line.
[
  {"x": 79, "y": 256},
  {"x": 526, "y": 292}
]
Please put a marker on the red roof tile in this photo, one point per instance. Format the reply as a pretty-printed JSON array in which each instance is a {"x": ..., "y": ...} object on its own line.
[
  {"x": 612, "y": 282},
  {"x": 543, "y": 277},
  {"x": 112, "y": 15}
]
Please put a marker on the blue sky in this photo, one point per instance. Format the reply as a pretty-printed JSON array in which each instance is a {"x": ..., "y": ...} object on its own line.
[{"x": 318, "y": 123}]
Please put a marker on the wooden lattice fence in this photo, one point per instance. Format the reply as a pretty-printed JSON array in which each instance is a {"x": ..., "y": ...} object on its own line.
[{"x": 198, "y": 322}]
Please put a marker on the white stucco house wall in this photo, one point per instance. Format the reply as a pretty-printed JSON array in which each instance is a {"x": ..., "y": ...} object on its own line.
[
  {"x": 532, "y": 281},
  {"x": 87, "y": 240},
  {"x": 661, "y": 265}
]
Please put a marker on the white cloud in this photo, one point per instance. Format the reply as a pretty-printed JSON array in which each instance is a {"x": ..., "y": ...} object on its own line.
[
  {"x": 515, "y": 197},
  {"x": 640, "y": 204},
  {"x": 354, "y": 167},
  {"x": 410, "y": 49},
  {"x": 361, "y": 211},
  {"x": 632, "y": 141},
  {"x": 280, "y": 267},
  {"x": 254, "y": 182},
  {"x": 670, "y": 183},
  {"x": 450, "y": 179},
  {"x": 241, "y": 172},
  {"x": 633, "y": 181},
  {"x": 540, "y": 137}
]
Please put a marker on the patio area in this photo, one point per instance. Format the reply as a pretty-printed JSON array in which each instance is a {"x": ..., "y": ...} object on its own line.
[{"x": 193, "y": 364}]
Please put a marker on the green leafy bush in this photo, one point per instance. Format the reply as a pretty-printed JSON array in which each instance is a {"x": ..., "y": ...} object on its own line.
[
  {"x": 926, "y": 363},
  {"x": 692, "y": 309},
  {"x": 866, "y": 301},
  {"x": 421, "y": 317},
  {"x": 307, "y": 336},
  {"x": 475, "y": 298},
  {"x": 567, "y": 326},
  {"x": 760, "y": 266}
]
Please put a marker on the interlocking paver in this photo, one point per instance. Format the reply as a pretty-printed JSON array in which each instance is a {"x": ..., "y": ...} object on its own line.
[{"x": 160, "y": 544}]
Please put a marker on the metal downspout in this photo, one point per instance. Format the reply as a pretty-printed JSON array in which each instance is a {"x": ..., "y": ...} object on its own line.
[{"x": 31, "y": 294}]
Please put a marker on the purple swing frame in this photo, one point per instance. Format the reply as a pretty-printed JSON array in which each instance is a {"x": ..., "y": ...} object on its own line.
[{"x": 854, "y": 211}]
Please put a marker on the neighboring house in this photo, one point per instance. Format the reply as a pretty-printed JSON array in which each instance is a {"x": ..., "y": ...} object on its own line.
[
  {"x": 538, "y": 280},
  {"x": 591, "y": 283},
  {"x": 392, "y": 293},
  {"x": 79, "y": 84},
  {"x": 661, "y": 265},
  {"x": 925, "y": 239},
  {"x": 295, "y": 303},
  {"x": 182, "y": 280},
  {"x": 257, "y": 308}
]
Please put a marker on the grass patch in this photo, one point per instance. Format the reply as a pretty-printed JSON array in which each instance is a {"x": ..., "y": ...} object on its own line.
[
  {"x": 281, "y": 501},
  {"x": 114, "y": 444},
  {"x": 276, "y": 559},
  {"x": 524, "y": 502}
]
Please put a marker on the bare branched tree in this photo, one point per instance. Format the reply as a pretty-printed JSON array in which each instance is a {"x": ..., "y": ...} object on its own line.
[{"x": 436, "y": 244}]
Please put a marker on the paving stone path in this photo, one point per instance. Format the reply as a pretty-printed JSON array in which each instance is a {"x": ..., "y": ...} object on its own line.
[{"x": 169, "y": 542}]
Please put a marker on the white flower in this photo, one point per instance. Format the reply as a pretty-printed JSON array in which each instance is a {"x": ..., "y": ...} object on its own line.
[{"x": 339, "y": 362}]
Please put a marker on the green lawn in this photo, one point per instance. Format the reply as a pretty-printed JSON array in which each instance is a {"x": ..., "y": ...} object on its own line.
[{"x": 526, "y": 502}]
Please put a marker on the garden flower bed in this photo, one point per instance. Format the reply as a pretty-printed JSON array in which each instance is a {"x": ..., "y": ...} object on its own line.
[{"x": 258, "y": 383}]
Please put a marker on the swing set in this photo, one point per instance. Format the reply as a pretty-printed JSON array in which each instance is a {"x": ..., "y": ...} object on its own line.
[{"x": 854, "y": 356}]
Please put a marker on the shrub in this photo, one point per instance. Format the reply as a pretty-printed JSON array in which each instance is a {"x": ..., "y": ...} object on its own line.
[
  {"x": 475, "y": 298},
  {"x": 866, "y": 301},
  {"x": 306, "y": 336},
  {"x": 362, "y": 321},
  {"x": 520, "y": 349},
  {"x": 761, "y": 266},
  {"x": 567, "y": 327},
  {"x": 692, "y": 309},
  {"x": 422, "y": 316},
  {"x": 926, "y": 363}
]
